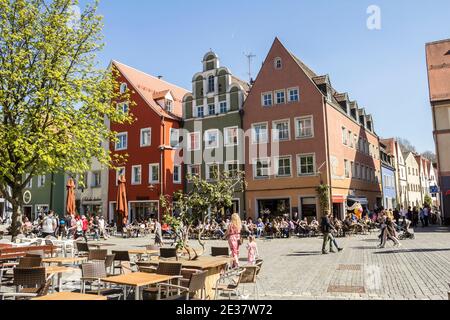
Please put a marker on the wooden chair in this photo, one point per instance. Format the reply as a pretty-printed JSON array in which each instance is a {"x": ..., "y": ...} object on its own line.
[
  {"x": 168, "y": 253},
  {"x": 97, "y": 255},
  {"x": 32, "y": 281},
  {"x": 196, "y": 284}
]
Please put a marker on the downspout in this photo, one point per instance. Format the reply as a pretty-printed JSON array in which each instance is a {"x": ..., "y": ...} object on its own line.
[
  {"x": 52, "y": 181},
  {"x": 162, "y": 148}
]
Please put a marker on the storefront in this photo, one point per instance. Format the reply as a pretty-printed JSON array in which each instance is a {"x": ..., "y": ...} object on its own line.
[
  {"x": 308, "y": 208},
  {"x": 270, "y": 208},
  {"x": 338, "y": 207},
  {"x": 91, "y": 206},
  {"x": 143, "y": 210}
]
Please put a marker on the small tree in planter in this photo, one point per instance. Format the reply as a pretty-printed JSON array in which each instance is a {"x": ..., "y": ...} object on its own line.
[
  {"x": 428, "y": 201},
  {"x": 324, "y": 199},
  {"x": 203, "y": 202}
]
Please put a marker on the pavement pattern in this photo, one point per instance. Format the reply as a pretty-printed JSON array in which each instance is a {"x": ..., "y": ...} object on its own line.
[{"x": 295, "y": 269}]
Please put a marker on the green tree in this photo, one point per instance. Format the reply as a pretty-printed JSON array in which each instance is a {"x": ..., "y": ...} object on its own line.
[
  {"x": 54, "y": 99},
  {"x": 428, "y": 201},
  {"x": 205, "y": 201},
  {"x": 324, "y": 198}
]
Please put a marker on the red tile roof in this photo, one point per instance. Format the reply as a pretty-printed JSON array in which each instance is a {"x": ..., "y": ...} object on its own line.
[{"x": 150, "y": 87}]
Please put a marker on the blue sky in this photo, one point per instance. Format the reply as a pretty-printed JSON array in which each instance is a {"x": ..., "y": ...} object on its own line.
[{"x": 384, "y": 70}]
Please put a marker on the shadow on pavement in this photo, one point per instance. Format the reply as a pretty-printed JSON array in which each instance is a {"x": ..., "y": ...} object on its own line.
[
  {"x": 305, "y": 254},
  {"x": 400, "y": 250}
]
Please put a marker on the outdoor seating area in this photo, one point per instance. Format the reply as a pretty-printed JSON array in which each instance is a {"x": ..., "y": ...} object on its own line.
[{"x": 39, "y": 272}]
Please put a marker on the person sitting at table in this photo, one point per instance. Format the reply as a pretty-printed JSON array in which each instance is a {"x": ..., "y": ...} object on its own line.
[{"x": 284, "y": 228}]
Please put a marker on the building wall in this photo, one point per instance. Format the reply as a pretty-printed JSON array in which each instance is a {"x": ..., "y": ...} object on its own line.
[
  {"x": 413, "y": 177},
  {"x": 389, "y": 189}
]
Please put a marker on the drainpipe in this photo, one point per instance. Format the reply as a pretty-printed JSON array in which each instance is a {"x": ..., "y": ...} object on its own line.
[
  {"x": 162, "y": 149},
  {"x": 52, "y": 180}
]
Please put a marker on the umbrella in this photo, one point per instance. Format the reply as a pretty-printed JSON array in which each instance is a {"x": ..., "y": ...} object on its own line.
[
  {"x": 70, "y": 203},
  {"x": 122, "y": 203}
]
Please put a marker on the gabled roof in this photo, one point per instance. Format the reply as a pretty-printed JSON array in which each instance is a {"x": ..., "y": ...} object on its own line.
[{"x": 150, "y": 87}]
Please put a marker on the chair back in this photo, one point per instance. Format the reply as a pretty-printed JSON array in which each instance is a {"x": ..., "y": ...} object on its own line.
[
  {"x": 167, "y": 253},
  {"x": 197, "y": 281},
  {"x": 109, "y": 260},
  {"x": 30, "y": 262},
  {"x": 29, "y": 277},
  {"x": 97, "y": 255},
  {"x": 259, "y": 264},
  {"x": 169, "y": 269},
  {"x": 48, "y": 242},
  {"x": 37, "y": 253},
  {"x": 121, "y": 256},
  {"x": 219, "y": 251},
  {"x": 94, "y": 269},
  {"x": 126, "y": 267},
  {"x": 82, "y": 247},
  {"x": 152, "y": 248},
  {"x": 249, "y": 274}
]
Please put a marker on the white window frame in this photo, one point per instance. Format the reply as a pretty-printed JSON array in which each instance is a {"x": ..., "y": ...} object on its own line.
[
  {"x": 149, "y": 139},
  {"x": 41, "y": 182},
  {"x": 221, "y": 104},
  {"x": 190, "y": 147},
  {"x": 297, "y": 120},
  {"x": 263, "y": 100},
  {"x": 197, "y": 113},
  {"x": 254, "y": 141},
  {"x": 122, "y": 105},
  {"x": 275, "y": 63},
  {"x": 196, "y": 166},
  {"x": 209, "y": 110},
  {"x": 93, "y": 182},
  {"x": 172, "y": 130},
  {"x": 118, "y": 170},
  {"x": 206, "y": 135},
  {"x": 123, "y": 87},
  {"x": 275, "y": 135},
  {"x": 150, "y": 173},
  {"x": 347, "y": 169},
  {"x": 299, "y": 165},
  {"x": 119, "y": 135},
  {"x": 179, "y": 174},
  {"x": 289, "y": 90},
  {"x": 30, "y": 183},
  {"x": 276, "y": 96},
  {"x": 133, "y": 176},
  {"x": 226, "y": 136},
  {"x": 277, "y": 164},
  {"x": 255, "y": 168},
  {"x": 344, "y": 133},
  {"x": 207, "y": 167},
  {"x": 232, "y": 162}
]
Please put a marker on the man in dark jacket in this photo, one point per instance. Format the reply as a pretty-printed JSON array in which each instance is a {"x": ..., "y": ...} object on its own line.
[{"x": 327, "y": 229}]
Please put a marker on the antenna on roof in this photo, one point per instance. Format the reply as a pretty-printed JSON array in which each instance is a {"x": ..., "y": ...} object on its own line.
[
  {"x": 250, "y": 57},
  {"x": 160, "y": 77}
]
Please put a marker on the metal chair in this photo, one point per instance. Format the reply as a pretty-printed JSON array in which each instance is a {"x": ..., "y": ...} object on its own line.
[
  {"x": 152, "y": 248},
  {"x": 92, "y": 272},
  {"x": 31, "y": 280},
  {"x": 229, "y": 283},
  {"x": 30, "y": 262},
  {"x": 249, "y": 276},
  {"x": 196, "y": 284},
  {"x": 219, "y": 251},
  {"x": 37, "y": 253},
  {"x": 82, "y": 249},
  {"x": 120, "y": 256},
  {"x": 97, "y": 255},
  {"x": 109, "y": 262},
  {"x": 167, "y": 269}
]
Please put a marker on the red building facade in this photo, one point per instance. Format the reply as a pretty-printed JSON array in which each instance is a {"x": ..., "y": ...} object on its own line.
[{"x": 153, "y": 164}]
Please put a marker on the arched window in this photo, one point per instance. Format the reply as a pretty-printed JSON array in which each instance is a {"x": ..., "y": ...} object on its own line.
[
  {"x": 123, "y": 88},
  {"x": 278, "y": 63},
  {"x": 211, "y": 84}
]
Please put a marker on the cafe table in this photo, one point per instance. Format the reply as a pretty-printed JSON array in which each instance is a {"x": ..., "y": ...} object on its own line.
[
  {"x": 71, "y": 296},
  {"x": 138, "y": 280},
  {"x": 213, "y": 265},
  {"x": 141, "y": 252},
  {"x": 60, "y": 261},
  {"x": 100, "y": 245}
]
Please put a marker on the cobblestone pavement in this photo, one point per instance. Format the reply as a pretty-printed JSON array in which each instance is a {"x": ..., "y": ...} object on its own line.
[{"x": 296, "y": 269}]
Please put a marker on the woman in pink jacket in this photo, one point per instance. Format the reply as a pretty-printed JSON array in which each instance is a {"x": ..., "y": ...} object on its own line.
[{"x": 234, "y": 236}]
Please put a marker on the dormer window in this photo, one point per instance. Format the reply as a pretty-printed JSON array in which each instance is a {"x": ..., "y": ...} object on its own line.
[
  {"x": 169, "y": 105},
  {"x": 278, "y": 63},
  {"x": 211, "y": 84},
  {"x": 123, "y": 88}
]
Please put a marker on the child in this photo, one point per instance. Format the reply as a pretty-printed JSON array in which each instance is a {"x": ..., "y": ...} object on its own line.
[{"x": 252, "y": 249}]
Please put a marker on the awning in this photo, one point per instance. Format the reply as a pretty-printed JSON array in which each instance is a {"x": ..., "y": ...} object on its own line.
[
  {"x": 362, "y": 201},
  {"x": 338, "y": 199}
]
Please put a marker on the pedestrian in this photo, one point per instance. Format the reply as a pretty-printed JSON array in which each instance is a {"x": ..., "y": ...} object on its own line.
[
  {"x": 85, "y": 227},
  {"x": 252, "y": 250},
  {"x": 426, "y": 216},
  {"x": 158, "y": 233},
  {"x": 422, "y": 217},
  {"x": 49, "y": 225},
  {"x": 102, "y": 228},
  {"x": 327, "y": 229},
  {"x": 233, "y": 235},
  {"x": 389, "y": 233}
]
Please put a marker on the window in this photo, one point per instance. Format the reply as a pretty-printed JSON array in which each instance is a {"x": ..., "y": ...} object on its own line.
[
  {"x": 283, "y": 168},
  {"x": 231, "y": 168},
  {"x": 278, "y": 63},
  {"x": 122, "y": 141},
  {"x": 123, "y": 88},
  {"x": 358, "y": 171},
  {"x": 223, "y": 107},
  {"x": 281, "y": 130},
  {"x": 146, "y": 137},
  {"x": 350, "y": 139},
  {"x": 41, "y": 181},
  {"x": 259, "y": 133},
  {"x": 352, "y": 165},
  {"x": 261, "y": 168},
  {"x": 169, "y": 105},
  {"x": 304, "y": 128},
  {"x": 153, "y": 173},
  {"x": 347, "y": 169},
  {"x": 30, "y": 183},
  {"x": 211, "y": 84},
  {"x": 212, "y": 172},
  {"x": 293, "y": 95},
  {"x": 281, "y": 96},
  {"x": 212, "y": 139},
  {"x": 123, "y": 107},
  {"x": 194, "y": 171},
  {"x": 231, "y": 136},
  {"x": 119, "y": 172},
  {"x": 96, "y": 179},
  {"x": 136, "y": 175},
  {"x": 306, "y": 165},
  {"x": 344, "y": 136},
  {"x": 174, "y": 138},
  {"x": 200, "y": 112},
  {"x": 177, "y": 174},
  {"x": 211, "y": 109},
  {"x": 194, "y": 141},
  {"x": 267, "y": 100}
]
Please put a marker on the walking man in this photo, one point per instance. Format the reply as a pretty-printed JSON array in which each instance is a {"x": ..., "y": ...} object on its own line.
[{"x": 327, "y": 229}]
